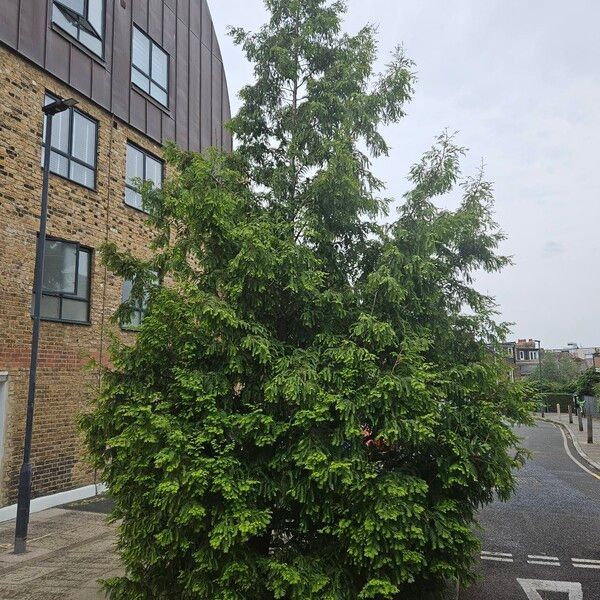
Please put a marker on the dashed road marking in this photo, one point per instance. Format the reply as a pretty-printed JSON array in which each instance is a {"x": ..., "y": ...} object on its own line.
[
  {"x": 497, "y": 559},
  {"x": 543, "y": 562},
  {"x": 540, "y": 559},
  {"x": 586, "y": 560},
  {"x": 584, "y": 563}
]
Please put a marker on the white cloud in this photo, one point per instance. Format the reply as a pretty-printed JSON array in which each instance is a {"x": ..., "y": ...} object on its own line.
[{"x": 520, "y": 80}]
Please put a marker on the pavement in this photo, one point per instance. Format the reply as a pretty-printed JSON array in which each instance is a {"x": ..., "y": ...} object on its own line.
[
  {"x": 590, "y": 452},
  {"x": 544, "y": 544},
  {"x": 69, "y": 550}
]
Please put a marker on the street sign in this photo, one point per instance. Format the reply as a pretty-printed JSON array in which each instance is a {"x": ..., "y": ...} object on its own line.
[{"x": 533, "y": 587}]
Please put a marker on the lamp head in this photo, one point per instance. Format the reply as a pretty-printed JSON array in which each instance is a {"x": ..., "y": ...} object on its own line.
[{"x": 59, "y": 106}]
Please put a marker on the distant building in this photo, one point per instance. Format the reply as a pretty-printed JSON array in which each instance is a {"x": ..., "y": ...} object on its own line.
[
  {"x": 588, "y": 356},
  {"x": 508, "y": 353},
  {"x": 527, "y": 356},
  {"x": 523, "y": 357}
]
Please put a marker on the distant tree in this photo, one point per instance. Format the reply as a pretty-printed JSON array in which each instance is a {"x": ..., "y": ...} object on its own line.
[
  {"x": 558, "y": 370},
  {"x": 310, "y": 409},
  {"x": 587, "y": 382}
]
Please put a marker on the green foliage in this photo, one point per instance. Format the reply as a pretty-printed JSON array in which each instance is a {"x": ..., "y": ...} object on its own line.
[
  {"x": 559, "y": 372},
  {"x": 310, "y": 409},
  {"x": 587, "y": 382},
  {"x": 549, "y": 400}
]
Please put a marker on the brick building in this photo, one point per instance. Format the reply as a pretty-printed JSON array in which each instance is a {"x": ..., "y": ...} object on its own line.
[
  {"x": 143, "y": 72},
  {"x": 522, "y": 356},
  {"x": 527, "y": 356}
]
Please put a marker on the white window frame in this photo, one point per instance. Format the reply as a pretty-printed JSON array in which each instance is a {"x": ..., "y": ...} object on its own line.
[{"x": 521, "y": 354}]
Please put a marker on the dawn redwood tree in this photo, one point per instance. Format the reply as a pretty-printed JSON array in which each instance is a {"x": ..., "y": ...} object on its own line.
[{"x": 312, "y": 407}]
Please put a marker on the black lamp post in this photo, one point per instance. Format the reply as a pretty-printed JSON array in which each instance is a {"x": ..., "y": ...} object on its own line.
[
  {"x": 24, "y": 499},
  {"x": 539, "y": 347}
]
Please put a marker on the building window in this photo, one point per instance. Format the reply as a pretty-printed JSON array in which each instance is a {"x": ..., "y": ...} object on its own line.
[
  {"x": 521, "y": 355},
  {"x": 82, "y": 20},
  {"x": 73, "y": 145},
  {"x": 150, "y": 67},
  {"x": 138, "y": 309},
  {"x": 533, "y": 355},
  {"x": 66, "y": 282},
  {"x": 144, "y": 166}
]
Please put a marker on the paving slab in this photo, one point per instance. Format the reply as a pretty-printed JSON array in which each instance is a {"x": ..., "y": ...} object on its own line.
[{"x": 69, "y": 550}]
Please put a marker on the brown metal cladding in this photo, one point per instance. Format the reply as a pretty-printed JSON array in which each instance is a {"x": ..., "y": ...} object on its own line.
[{"x": 198, "y": 100}]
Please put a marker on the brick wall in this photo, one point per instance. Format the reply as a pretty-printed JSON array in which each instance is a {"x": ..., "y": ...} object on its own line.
[{"x": 75, "y": 214}]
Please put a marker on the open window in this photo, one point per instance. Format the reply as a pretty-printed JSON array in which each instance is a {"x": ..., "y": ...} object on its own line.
[{"x": 82, "y": 20}]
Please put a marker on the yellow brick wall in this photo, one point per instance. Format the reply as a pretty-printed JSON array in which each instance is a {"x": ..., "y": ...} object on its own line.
[{"x": 89, "y": 217}]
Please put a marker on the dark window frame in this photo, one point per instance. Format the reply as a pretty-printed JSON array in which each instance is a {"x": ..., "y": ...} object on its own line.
[
  {"x": 74, "y": 296},
  {"x": 141, "y": 308},
  {"x": 100, "y": 35},
  {"x": 146, "y": 155},
  {"x": 149, "y": 75},
  {"x": 69, "y": 154}
]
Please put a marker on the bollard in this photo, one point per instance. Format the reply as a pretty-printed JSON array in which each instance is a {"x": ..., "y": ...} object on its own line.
[
  {"x": 570, "y": 414},
  {"x": 590, "y": 427},
  {"x": 558, "y": 410},
  {"x": 579, "y": 418}
]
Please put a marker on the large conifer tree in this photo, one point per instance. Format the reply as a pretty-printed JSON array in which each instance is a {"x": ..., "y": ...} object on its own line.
[{"x": 311, "y": 408}]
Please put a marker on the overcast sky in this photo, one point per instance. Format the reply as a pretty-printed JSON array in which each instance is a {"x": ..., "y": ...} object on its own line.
[{"x": 520, "y": 82}]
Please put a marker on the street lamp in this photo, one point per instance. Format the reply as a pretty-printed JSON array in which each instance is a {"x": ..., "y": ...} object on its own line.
[{"x": 24, "y": 498}]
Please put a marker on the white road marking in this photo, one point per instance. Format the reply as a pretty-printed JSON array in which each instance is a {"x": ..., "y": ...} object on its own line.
[
  {"x": 497, "y": 558},
  {"x": 533, "y": 587},
  {"x": 540, "y": 559},
  {"x": 572, "y": 457},
  {"x": 586, "y": 560}
]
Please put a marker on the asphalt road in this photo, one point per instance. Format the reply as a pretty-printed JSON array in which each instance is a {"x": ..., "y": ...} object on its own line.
[{"x": 547, "y": 537}]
